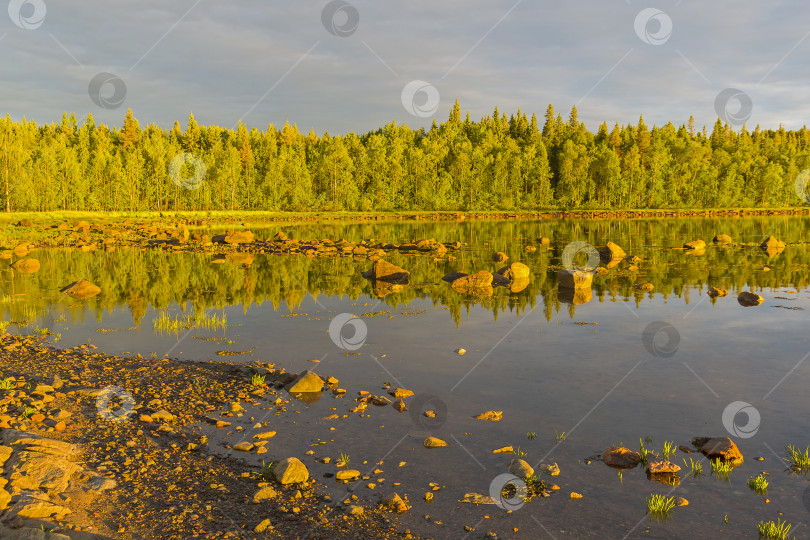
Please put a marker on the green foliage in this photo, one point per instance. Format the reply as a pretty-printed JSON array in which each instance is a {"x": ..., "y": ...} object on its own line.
[
  {"x": 695, "y": 467},
  {"x": 759, "y": 484},
  {"x": 774, "y": 531},
  {"x": 721, "y": 468},
  {"x": 669, "y": 450},
  {"x": 28, "y": 412},
  {"x": 344, "y": 460},
  {"x": 797, "y": 461},
  {"x": 559, "y": 436},
  {"x": 7, "y": 384},
  {"x": 531, "y": 435},
  {"x": 498, "y": 162},
  {"x": 257, "y": 380},
  {"x": 659, "y": 506}
]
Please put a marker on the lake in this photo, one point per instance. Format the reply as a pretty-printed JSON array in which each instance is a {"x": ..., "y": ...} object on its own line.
[{"x": 572, "y": 373}]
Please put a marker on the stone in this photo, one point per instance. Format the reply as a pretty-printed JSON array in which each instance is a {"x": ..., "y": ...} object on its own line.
[
  {"x": 394, "y": 503},
  {"x": 433, "y": 442},
  {"x": 400, "y": 393},
  {"x": 265, "y": 435},
  {"x": 383, "y": 270},
  {"x": 241, "y": 237},
  {"x": 697, "y": 245},
  {"x": 718, "y": 447},
  {"x": 517, "y": 285},
  {"x": 347, "y": 475},
  {"x": 620, "y": 457},
  {"x": 452, "y": 276},
  {"x": 504, "y": 450},
  {"x": 646, "y": 287},
  {"x": 575, "y": 495},
  {"x": 716, "y": 292},
  {"x": 749, "y": 299},
  {"x": 516, "y": 270},
  {"x": 772, "y": 243},
  {"x": 5, "y": 499},
  {"x": 520, "y": 468},
  {"x": 680, "y": 501},
  {"x": 81, "y": 290},
  {"x": 280, "y": 237},
  {"x": 26, "y": 266},
  {"x": 722, "y": 239},
  {"x": 500, "y": 257},
  {"x": 263, "y": 526},
  {"x": 479, "y": 279},
  {"x": 307, "y": 382},
  {"x": 243, "y": 446},
  {"x": 290, "y": 471},
  {"x": 490, "y": 416},
  {"x": 264, "y": 494},
  {"x": 662, "y": 467},
  {"x": 551, "y": 470},
  {"x": 576, "y": 279},
  {"x": 162, "y": 416},
  {"x": 34, "y": 508},
  {"x": 498, "y": 279},
  {"x": 399, "y": 405},
  {"x": 612, "y": 252}
]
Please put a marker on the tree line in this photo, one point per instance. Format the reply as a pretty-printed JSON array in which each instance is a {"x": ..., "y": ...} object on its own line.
[{"x": 497, "y": 163}]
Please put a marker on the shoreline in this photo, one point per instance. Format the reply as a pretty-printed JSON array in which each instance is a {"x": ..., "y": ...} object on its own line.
[{"x": 168, "y": 483}]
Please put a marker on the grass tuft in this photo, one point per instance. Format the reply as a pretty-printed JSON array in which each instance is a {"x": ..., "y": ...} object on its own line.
[
  {"x": 659, "y": 506},
  {"x": 721, "y": 468},
  {"x": 797, "y": 461},
  {"x": 774, "y": 531},
  {"x": 759, "y": 484}
]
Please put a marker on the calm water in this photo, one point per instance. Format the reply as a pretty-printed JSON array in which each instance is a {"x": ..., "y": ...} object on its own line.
[{"x": 551, "y": 366}]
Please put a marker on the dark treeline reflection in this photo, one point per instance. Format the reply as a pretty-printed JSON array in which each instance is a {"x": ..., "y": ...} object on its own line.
[{"x": 137, "y": 278}]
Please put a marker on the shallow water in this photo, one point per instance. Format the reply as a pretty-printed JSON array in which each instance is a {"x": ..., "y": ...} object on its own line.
[{"x": 551, "y": 366}]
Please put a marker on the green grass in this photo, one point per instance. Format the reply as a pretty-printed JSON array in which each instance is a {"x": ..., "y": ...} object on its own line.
[
  {"x": 164, "y": 323},
  {"x": 695, "y": 468},
  {"x": 721, "y": 468},
  {"x": 257, "y": 380},
  {"x": 659, "y": 506},
  {"x": 669, "y": 450},
  {"x": 644, "y": 451},
  {"x": 520, "y": 453},
  {"x": 797, "y": 461},
  {"x": 559, "y": 436},
  {"x": 344, "y": 460},
  {"x": 7, "y": 384},
  {"x": 266, "y": 474},
  {"x": 4, "y": 325},
  {"x": 759, "y": 484},
  {"x": 774, "y": 531},
  {"x": 531, "y": 435},
  {"x": 28, "y": 413}
]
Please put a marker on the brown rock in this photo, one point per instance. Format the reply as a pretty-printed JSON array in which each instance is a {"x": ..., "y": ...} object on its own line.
[
  {"x": 716, "y": 292},
  {"x": 722, "y": 239},
  {"x": 394, "y": 503},
  {"x": 81, "y": 290},
  {"x": 611, "y": 252},
  {"x": 661, "y": 467},
  {"x": 452, "y": 276},
  {"x": 695, "y": 244},
  {"x": 500, "y": 257},
  {"x": 433, "y": 442},
  {"x": 241, "y": 237},
  {"x": 577, "y": 279},
  {"x": 516, "y": 270},
  {"x": 718, "y": 447},
  {"x": 490, "y": 416},
  {"x": 621, "y": 457},
  {"x": 385, "y": 271},
  {"x": 749, "y": 299},
  {"x": 772, "y": 243}
]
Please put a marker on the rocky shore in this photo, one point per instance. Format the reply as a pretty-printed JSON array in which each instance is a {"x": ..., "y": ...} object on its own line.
[{"x": 83, "y": 458}]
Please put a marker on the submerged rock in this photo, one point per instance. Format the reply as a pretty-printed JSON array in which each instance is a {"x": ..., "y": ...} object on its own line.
[
  {"x": 26, "y": 266},
  {"x": 662, "y": 467},
  {"x": 500, "y": 257},
  {"x": 772, "y": 242},
  {"x": 722, "y": 239}
]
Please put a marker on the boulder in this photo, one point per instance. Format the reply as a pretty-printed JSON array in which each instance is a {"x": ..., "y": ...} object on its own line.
[
  {"x": 662, "y": 467},
  {"x": 498, "y": 279},
  {"x": 646, "y": 287},
  {"x": 478, "y": 284},
  {"x": 514, "y": 271},
  {"x": 521, "y": 469},
  {"x": 394, "y": 503},
  {"x": 621, "y": 457},
  {"x": 241, "y": 237},
  {"x": 772, "y": 242},
  {"x": 611, "y": 252},
  {"x": 719, "y": 448},
  {"x": 452, "y": 276},
  {"x": 574, "y": 279},
  {"x": 22, "y": 249},
  {"x": 347, "y": 475},
  {"x": 81, "y": 290},
  {"x": 716, "y": 292},
  {"x": 517, "y": 285},
  {"x": 385, "y": 271},
  {"x": 306, "y": 383},
  {"x": 695, "y": 244},
  {"x": 290, "y": 471},
  {"x": 722, "y": 239},
  {"x": 433, "y": 442},
  {"x": 500, "y": 256},
  {"x": 749, "y": 299},
  {"x": 26, "y": 266}
]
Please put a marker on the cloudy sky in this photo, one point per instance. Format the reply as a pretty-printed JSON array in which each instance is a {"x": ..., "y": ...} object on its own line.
[{"x": 346, "y": 66}]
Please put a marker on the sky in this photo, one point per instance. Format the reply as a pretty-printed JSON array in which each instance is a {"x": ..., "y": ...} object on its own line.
[{"x": 355, "y": 65}]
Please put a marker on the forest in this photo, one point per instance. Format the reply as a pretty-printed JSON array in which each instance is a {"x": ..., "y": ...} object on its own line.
[{"x": 497, "y": 163}]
